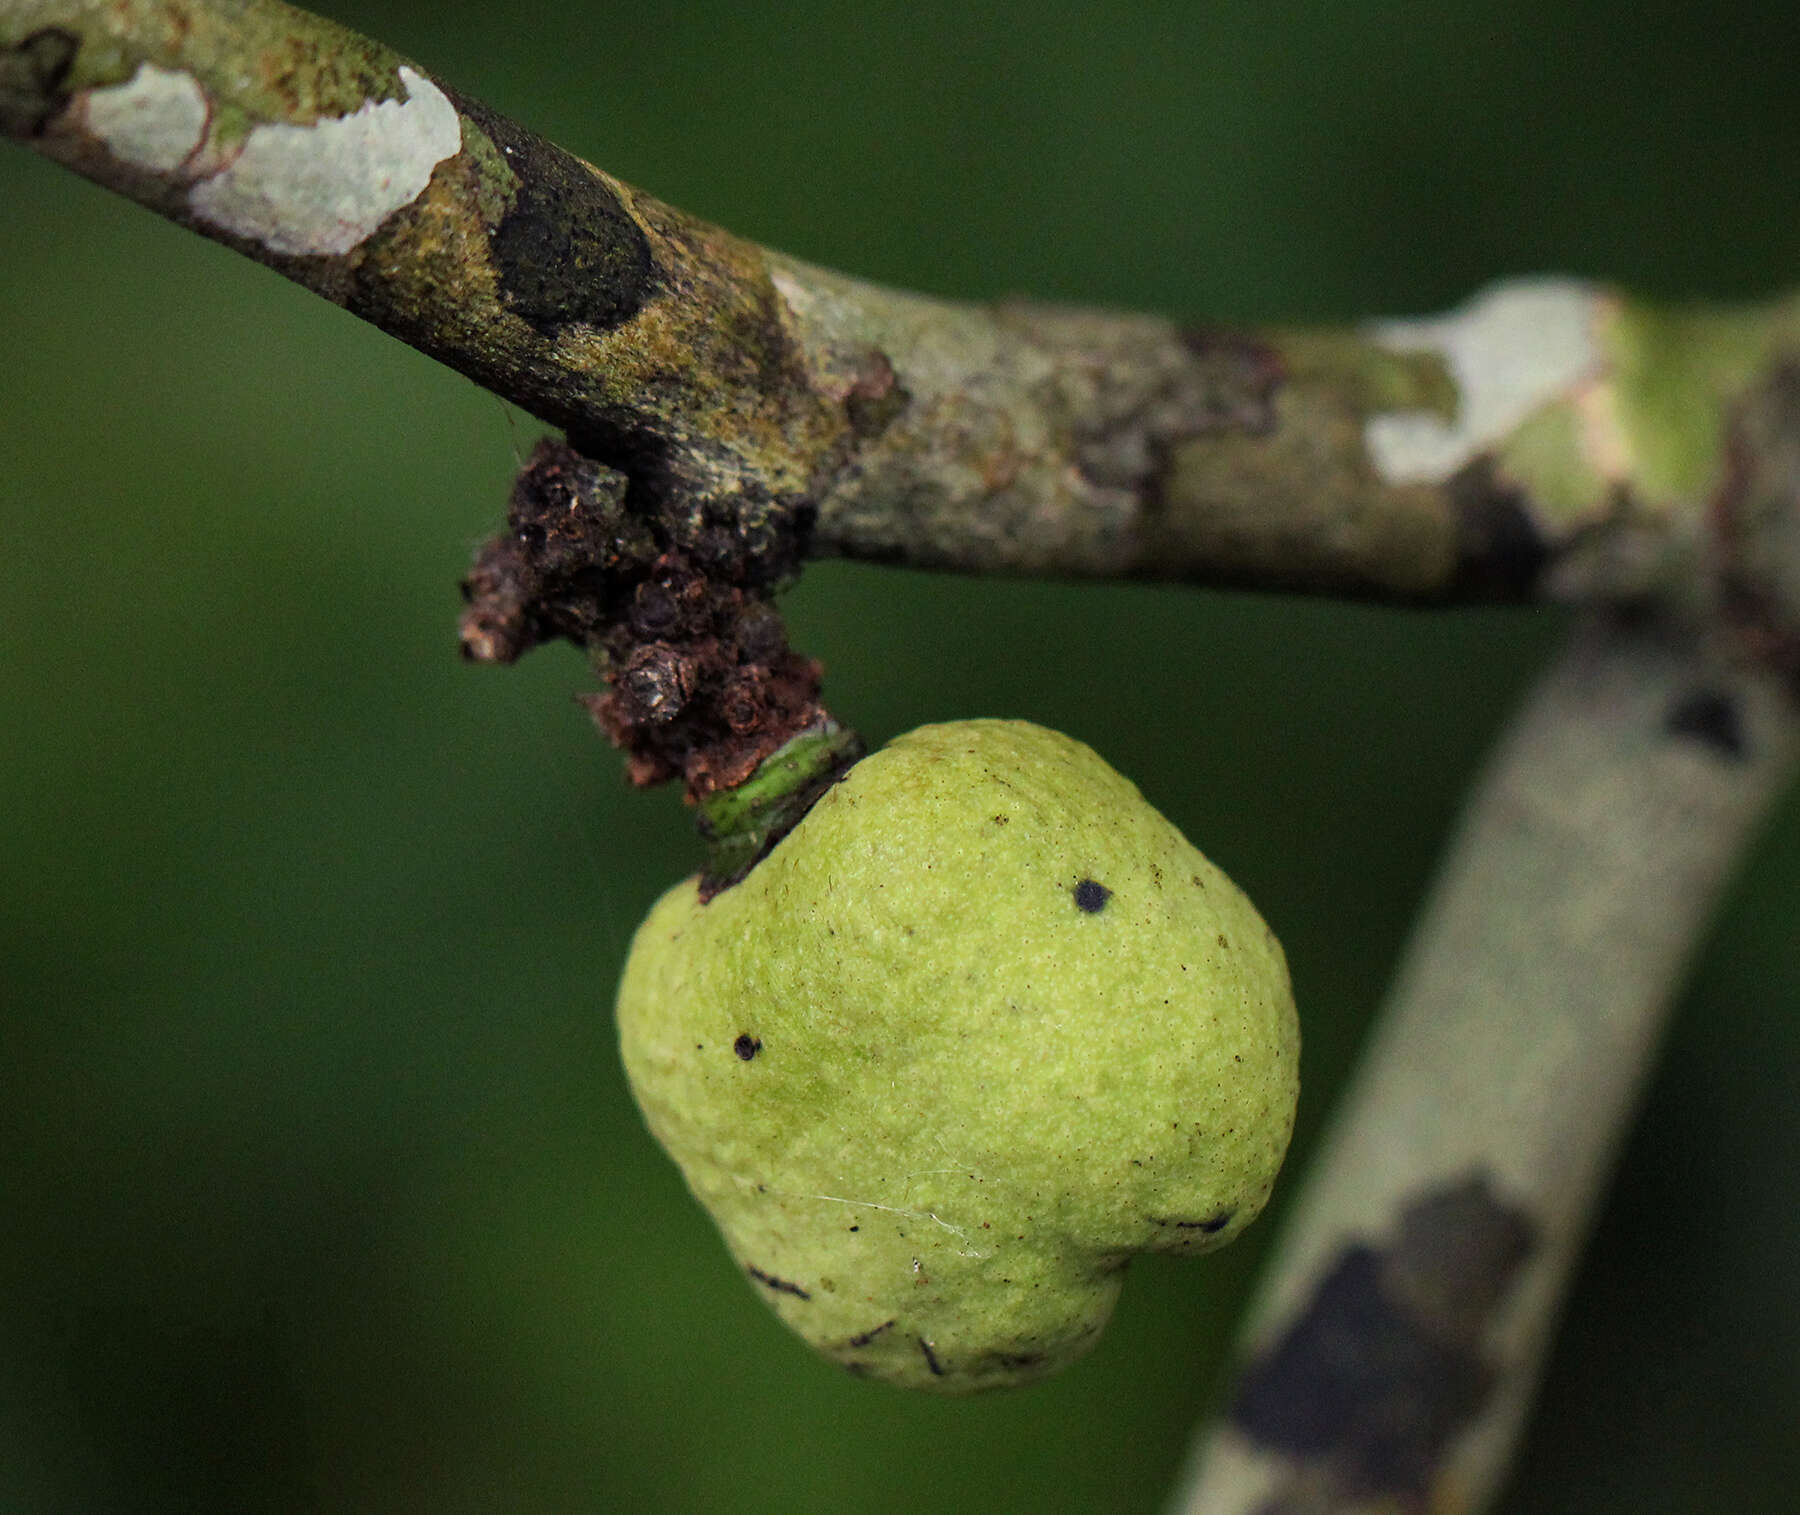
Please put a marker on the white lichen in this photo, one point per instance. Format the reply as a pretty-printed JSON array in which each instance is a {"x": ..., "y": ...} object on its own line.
[
  {"x": 1511, "y": 349},
  {"x": 154, "y": 120},
  {"x": 328, "y": 187}
]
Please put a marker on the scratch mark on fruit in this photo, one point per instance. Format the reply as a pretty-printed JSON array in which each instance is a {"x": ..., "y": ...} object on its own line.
[
  {"x": 931, "y": 1358},
  {"x": 863, "y": 1338},
  {"x": 779, "y": 1285},
  {"x": 868, "y": 1204}
]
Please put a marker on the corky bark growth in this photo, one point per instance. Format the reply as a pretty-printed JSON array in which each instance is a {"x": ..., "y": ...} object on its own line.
[{"x": 675, "y": 611}]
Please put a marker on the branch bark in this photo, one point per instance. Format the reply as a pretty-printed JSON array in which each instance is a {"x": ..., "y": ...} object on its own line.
[
  {"x": 1393, "y": 1354},
  {"x": 1549, "y": 439}
]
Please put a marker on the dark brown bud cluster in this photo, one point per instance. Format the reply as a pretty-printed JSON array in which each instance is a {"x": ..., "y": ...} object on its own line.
[{"x": 702, "y": 683}]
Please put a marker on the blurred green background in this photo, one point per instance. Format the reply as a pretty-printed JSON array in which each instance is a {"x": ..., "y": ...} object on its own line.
[{"x": 319, "y": 1185}]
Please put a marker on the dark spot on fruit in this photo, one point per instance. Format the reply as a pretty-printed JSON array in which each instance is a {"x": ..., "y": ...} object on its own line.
[
  {"x": 1199, "y": 883},
  {"x": 856, "y": 1228},
  {"x": 779, "y": 1285},
  {"x": 863, "y": 1338},
  {"x": 931, "y": 1358},
  {"x": 1223, "y": 943},
  {"x": 1091, "y": 896},
  {"x": 746, "y": 1046},
  {"x": 1001, "y": 820}
]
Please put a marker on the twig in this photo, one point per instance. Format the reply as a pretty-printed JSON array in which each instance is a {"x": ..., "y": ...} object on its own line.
[
  {"x": 1545, "y": 440},
  {"x": 1395, "y": 1348}
]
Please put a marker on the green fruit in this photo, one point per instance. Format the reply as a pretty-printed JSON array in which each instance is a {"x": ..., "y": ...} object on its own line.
[{"x": 982, "y": 1026}]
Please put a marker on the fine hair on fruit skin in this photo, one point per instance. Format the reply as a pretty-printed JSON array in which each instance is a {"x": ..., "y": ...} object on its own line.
[{"x": 983, "y": 1025}]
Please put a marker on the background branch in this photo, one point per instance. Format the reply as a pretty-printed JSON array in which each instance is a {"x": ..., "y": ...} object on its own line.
[{"x": 1396, "y": 1346}]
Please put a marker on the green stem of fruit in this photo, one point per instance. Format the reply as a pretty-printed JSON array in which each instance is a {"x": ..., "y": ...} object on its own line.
[{"x": 741, "y": 826}]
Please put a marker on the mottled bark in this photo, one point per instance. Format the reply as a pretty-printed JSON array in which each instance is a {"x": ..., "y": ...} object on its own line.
[
  {"x": 1550, "y": 439},
  {"x": 1393, "y": 1355}
]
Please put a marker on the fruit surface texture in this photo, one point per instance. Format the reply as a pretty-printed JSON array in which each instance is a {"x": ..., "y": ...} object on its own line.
[{"x": 980, "y": 1028}]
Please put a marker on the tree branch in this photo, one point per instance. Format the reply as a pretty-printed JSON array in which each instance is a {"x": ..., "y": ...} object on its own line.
[
  {"x": 1394, "y": 1351},
  {"x": 1550, "y": 439}
]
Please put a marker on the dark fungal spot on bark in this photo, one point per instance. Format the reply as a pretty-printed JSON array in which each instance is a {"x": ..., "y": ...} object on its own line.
[
  {"x": 1385, "y": 1364},
  {"x": 779, "y": 1285},
  {"x": 1711, "y": 718},
  {"x": 32, "y": 76},
  {"x": 566, "y": 250},
  {"x": 1211, "y": 381},
  {"x": 876, "y": 396},
  {"x": 931, "y": 1358},
  {"x": 1091, "y": 897},
  {"x": 1499, "y": 553},
  {"x": 747, "y": 1046},
  {"x": 1236, "y": 378}
]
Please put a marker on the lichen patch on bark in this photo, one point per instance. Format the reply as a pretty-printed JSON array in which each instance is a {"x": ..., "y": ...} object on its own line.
[
  {"x": 155, "y": 120},
  {"x": 1511, "y": 349},
  {"x": 324, "y": 189}
]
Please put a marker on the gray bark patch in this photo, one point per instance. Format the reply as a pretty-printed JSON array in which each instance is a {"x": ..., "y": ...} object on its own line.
[{"x": 1386, "y": 1363}]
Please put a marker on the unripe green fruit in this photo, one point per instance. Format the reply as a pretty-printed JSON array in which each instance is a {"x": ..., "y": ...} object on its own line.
[{"x": 982, "y": 1026}]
